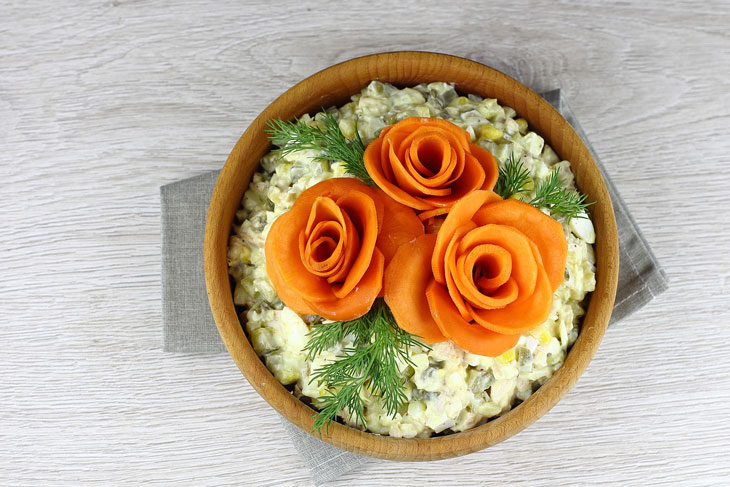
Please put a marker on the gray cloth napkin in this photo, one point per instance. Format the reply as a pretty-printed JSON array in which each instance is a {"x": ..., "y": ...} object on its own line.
[{"x": 189, "y": 326}]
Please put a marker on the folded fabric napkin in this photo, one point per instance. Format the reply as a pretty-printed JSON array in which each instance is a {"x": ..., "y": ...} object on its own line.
[{"x": 189, "y": 326}]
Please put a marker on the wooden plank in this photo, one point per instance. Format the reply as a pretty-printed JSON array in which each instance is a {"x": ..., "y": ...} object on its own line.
[{"x": 102, "y": 103}]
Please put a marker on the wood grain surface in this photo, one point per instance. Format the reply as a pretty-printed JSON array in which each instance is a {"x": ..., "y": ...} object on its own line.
[{"x": 102, "y": 102}]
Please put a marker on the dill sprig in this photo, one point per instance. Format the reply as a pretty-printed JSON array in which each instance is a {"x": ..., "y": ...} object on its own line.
[
  {"x": 329, "y": 140},
  {"x": 551, "y": 194},
  {"x": 513, "y": 178},
  {"x": 379, "y": 348}
]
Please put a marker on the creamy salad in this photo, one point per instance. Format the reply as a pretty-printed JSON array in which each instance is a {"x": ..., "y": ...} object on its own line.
[{"x": 449, "y": 390}]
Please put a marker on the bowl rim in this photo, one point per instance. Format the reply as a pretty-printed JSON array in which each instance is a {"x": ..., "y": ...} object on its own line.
[{"x": 343, "y": 78}]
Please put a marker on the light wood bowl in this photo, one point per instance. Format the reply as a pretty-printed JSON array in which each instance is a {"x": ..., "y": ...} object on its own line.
[{"x": 334, "y": 86}]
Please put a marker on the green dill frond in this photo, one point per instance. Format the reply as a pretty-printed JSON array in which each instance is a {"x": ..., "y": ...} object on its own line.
[
  {"x": 552, "y": 195},
  {"x": 374, "y": 361},
  {"x": 513, "y": 178},
  {"x": 346, "y": 398},
  {"x": 329, "y": 141},
  {"x": 322, "y": 337}
]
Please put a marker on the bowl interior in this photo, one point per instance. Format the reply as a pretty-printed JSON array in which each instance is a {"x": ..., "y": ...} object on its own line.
[{"x": 334, "y": 86}]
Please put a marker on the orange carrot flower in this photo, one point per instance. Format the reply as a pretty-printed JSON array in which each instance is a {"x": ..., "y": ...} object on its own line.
[
  {"x": 428, "y": 163},
  {"x": 487, "y": 276},
  {"x": 326, "y": 255}
]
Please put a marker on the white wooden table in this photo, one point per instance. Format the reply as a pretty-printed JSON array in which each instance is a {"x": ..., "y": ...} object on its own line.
[{"x": 102, "y": 102}]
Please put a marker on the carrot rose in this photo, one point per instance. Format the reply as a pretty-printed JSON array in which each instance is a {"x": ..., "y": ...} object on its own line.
[
  {"x": 428, "y": 163},
  {"x": 487, "y": 276},
  {"x": 326, "y": 255}
]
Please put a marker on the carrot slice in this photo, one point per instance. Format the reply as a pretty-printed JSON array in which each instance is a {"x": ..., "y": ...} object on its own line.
[
  {"x": 450, "y": 261},
  {"x": 454, "y": 141},
  {"x": 405, "y": 288},
  {"x": 282, "y": 246},
  {"x": 459, "y": 133},
  {"x": 322, "y": 251},
  {"x": 360, "y": 300},
  {"x": 372, "y": 159},
  {"x": 325, "y": 220},
  {"x": 425, "y": 215},
  {"x": 287, "y": 295},
  {"x": 489, "y": 163},
  {"x": 472, "y": 338},
  {"x": 451, "y": 167},
  {"x": 500, "y": 295},
  {"x": 400, "y": 225},
  {"x": 436, "y": 153},
  {"x": 334, "y": 188},
  {"x": 472, "y": 179},
  {"x": 384, "y": 143},
  {"x": 385, "y": 156},
  {"x": 488, "y": 268},
  {"x": 361, "y": 210},
  {"x": 407, "y": 182},
  {"x": 460, "y": 213},
  {"x": 524, "y": 314},
  {"x": 340, "y": 270},
  {"x": 544, "y": 231},
  {"x": 524, "y": 266}
]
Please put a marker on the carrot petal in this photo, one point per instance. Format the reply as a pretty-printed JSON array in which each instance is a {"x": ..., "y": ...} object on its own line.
[
  {"x": 460, "y": 213},
  {"x": 544, "y": 231},
  {"x": 450, "y": 263},
  {"x": 470, "y": 180},
  {"x": 524, "y": 266},
  {"x": 472, "y": 338},
  {"x": 287, "y": 295},
  {"x": 334, "y": 188},
  {"x": 425, "y": 215},
  {"x": 361, "y": 210},
  {"x": 407, "y": 182},
  {"x": 282, "y": 247},
  {"x": 400, "y": 225},
  {"x": 489, "y": 163},
  {"x": 372, "y": 159},
  {"x": 405, "y": 288},
  {"x": 464, "y": 276},
  {"x": 524, "y": 314},
  {"x": 360, "y": 299}
]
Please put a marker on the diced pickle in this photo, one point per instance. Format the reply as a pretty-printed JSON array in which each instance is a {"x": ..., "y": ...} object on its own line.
[
  {"x": 479, "y": 381},
  {"x": 443, "y": 92},
  {"x": 524, "y": 359}
]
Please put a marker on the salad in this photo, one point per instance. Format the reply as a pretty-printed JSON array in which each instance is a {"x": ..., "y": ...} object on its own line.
[{"x": 413, "y": 262}]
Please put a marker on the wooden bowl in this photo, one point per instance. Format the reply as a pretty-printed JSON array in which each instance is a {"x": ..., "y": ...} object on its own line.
[{"x": 334, "y": 86}]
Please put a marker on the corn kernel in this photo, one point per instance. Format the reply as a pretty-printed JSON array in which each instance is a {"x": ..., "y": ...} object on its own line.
[
  {"x": 507, "y": 356},
  {"x": 522, "y": 123},
  {"x": 490, "y": 133},
  {"x": 529, "y": 186}
]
